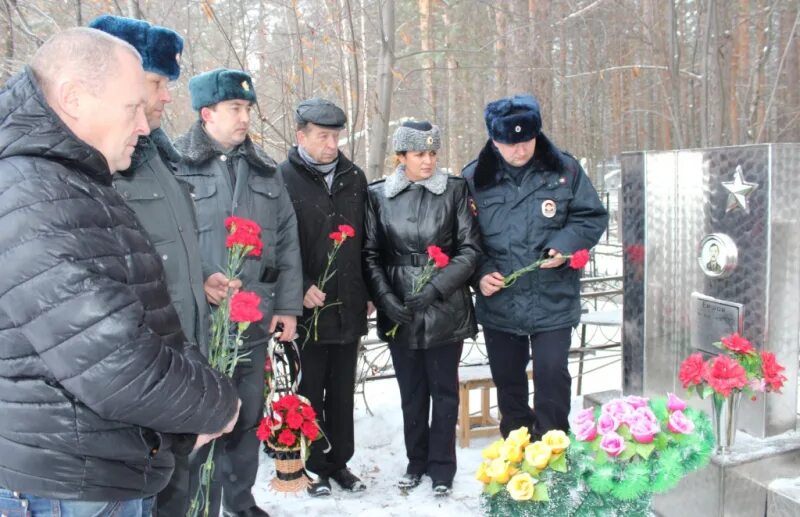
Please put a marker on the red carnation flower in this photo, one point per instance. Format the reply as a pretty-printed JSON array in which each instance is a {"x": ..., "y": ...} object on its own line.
[
  {"x": 692, "y": 370},
  {"x": 347, "y": 230},
  {"x": 738, "y": 344},
  {"x": 294, "y": 420},
  {"x": 439, "y": 257},
  {"x": 725, "y": 374},
  {"x": 310, "y": 430},
  {"x": 337, "y": 237},
  {"x": 244, "y": 307},
  {"x": 286, "y": 438},
  {"x": 264, "y": 429},
  {"x": 579, "y": 259},
  {"x": 287, "y": 402},
  {"x": 772, "y": 371},
  {"x": 243, "y": 232},
  {"x": 268, "y": 365},
  {"x": 308, "y": 412}
]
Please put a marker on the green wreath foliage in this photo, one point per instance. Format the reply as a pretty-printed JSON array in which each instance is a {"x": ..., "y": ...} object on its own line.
[{"x": 598, "y": 485}]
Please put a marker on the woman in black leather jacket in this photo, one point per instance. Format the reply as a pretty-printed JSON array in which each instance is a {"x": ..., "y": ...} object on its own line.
[{"x": 415, "y": 207}]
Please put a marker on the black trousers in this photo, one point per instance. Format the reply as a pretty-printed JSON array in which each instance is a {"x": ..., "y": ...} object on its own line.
[
  {"x": 236, "y": 453},
  {"x": 328, "y": 382},
  {"x": 174, "y": 499},
  {"x": 552, "y": 385},
  {"x": 429, "y": 377}
]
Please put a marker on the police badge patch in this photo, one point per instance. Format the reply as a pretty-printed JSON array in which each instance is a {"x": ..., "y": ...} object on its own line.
[{"x": 549, "y": 208}]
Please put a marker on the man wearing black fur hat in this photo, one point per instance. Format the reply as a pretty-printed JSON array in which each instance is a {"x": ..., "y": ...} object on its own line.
[
  {"x": 532, "y": 201},
  {"x": 328, "y": 190},
  {"x": 232, "y": 176},
  {"x": 163, "y": 205}
]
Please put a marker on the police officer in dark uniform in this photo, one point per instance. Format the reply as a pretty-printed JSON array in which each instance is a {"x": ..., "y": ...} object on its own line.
[{"x": 532, "y": 201}]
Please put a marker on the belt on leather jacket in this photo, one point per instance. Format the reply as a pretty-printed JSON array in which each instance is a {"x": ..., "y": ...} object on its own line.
[{"x": 412, "y": 259}]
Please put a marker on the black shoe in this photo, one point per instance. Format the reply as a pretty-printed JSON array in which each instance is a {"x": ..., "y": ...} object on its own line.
[
  {"x": 442, "y": 488},
  {"x": 253, "y": 511},
  {"x": 409, "y": 481},
  {"x": 319, "y": 488},
  {"x": 348, "y": 481}
]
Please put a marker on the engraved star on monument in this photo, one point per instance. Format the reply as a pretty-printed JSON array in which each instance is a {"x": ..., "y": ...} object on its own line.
[{"x": 738, "y": 191}]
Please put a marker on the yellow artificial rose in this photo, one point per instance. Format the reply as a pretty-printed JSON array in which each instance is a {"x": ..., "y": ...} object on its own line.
[
  {"x": 481, "y": 475},
  {"x": 538, "y": 454},
  {"x": 520, "y": 437},
  {"x": 521, "y": 487},
  {"x": 557, "y": 440},
  {"x": 511, "y": 452},
  {"x": 498, "y": 470},
  {"x": 493, "y": 450}
]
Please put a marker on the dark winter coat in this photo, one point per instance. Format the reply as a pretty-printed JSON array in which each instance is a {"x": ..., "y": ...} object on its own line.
[
  {"x": 517, "y": 231},
  {"x": 93, "y": 379},
  {"x": 164, "y": 206},
  {"x": 403, "y": 219},
  {"x": 320, "y": 211},
  {"x": 259, "y": 194}
]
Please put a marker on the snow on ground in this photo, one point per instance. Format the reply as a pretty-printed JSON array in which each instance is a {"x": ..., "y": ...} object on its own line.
[
  {"x": 380, "y": 453},
  {"x": 380, "y": 460}
]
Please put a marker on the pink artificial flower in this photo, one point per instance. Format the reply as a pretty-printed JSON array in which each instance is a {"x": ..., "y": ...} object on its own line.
[
  {"x": 644, "y": 430},
  {"x": 678, "y": 423},
  {"x": 607, "y": 424},
  {"x": 636, "y": 402},
  {"x": 613, "y": 444},
  {"x": 585, "y": 431},
  {"x": 758, "y": 385},
  {"x": 675, "y": 403},
  {"x": 644, "y": 413},
  {"x": 621, "y": 410},
  {"x": 585, "y": 415}
]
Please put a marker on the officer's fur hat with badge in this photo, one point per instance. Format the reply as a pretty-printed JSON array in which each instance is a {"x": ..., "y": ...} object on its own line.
[
  {"x": 159, "y": 47},
  {"x": 416, "y": 135},
  {"x": 222, "y": 84},
  {"x": 512, "y": 120}
]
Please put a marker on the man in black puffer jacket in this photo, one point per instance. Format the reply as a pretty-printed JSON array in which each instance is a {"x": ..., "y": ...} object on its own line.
[{"x": 96, "y": 384}]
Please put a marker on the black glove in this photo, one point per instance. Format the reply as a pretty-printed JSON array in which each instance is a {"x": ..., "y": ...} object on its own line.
[
  {"x": 420, "y": 301},
  {"x": 395, "y": 310}
]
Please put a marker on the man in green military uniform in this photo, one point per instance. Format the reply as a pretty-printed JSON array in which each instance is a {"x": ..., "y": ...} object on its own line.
[
  {"x": 232, "y": 176},
  {"x": 163, "y": 205}
]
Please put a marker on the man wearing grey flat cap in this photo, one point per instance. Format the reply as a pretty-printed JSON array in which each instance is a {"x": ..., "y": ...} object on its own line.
[
  {"x": 328, "y": 191},
  {"x": 532, "y": 201}
]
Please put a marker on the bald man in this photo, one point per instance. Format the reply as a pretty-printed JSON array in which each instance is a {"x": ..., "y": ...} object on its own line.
[{"x": 97, "y": 381}]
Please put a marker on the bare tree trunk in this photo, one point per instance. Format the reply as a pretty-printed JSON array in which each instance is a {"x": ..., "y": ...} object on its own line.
[
  {"x": 705, "y": 95},
  {"x": 365, "y": 71},
  {"x": 7, "y": 29},
  {"x": 79, "y": 13},
  {"x": 674, "y": 64},
  {"x": 739, "y": 62},
  {"x": 454, "y": 161},
  {"x": 788, "y": 108},
  {"x": 426, "y": 45},
  {"x": 297, "y": 47},
  {"x": 134, "y": 9},
  {"x": 352, "y": 87},
  {"x": 380, "y": 131},
  {"x": 500, "y": 46}
]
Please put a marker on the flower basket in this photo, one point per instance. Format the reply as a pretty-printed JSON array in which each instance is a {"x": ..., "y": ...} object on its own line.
[
  {"x": 288, "y": 430},
  {"x": 290, "y": 474}
]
